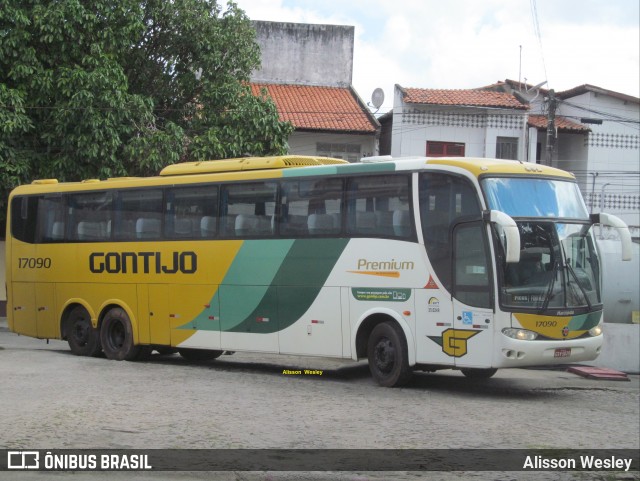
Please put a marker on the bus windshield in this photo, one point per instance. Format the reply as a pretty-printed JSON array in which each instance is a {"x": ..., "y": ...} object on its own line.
[
  {"x": 559, "y": 266},
  {"x": 558, "y": 269},
  {"x": 535, "y": 197}
]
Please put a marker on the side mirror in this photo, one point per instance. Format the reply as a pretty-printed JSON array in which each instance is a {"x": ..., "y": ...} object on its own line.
[
  {"x": 510, "y": 231},
  {"x": 623, "y": 231}
]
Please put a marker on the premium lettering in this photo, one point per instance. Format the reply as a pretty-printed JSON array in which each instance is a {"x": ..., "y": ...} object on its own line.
[
  {"x": 143, "y": 262},
  {"x": 385, "y": 265}
]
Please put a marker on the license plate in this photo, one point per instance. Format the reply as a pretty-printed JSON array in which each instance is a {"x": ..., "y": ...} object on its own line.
[{"x": 562, "y": 352}]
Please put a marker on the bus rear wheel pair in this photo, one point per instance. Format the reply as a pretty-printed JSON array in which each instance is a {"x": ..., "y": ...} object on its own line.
[{"x": 115, "y": 338}]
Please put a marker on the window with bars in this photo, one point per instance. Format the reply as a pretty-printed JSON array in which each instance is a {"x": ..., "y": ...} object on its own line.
[
  {"x": 507, "y": 148},
  {"x": 445, "y": 149}
]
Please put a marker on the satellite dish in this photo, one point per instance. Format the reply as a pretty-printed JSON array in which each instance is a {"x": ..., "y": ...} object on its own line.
[{"x": 377, "y": 97}]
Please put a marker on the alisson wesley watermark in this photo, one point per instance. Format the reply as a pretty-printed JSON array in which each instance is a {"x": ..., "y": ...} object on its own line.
[{"x": 302, "y": 372}]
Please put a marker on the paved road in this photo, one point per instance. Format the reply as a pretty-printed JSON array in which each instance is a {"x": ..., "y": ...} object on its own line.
[{"x": 53, "y": 399}]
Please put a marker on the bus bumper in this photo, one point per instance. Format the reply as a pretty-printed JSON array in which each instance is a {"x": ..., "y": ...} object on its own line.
[{"x": 517, "y": 353}]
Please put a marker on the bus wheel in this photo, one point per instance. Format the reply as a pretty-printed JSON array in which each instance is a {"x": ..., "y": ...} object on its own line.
[
  {"x": 83, "y": 339},
  {"x": 478, "y": 373},
  {"x": 199, "y": 354},
  {"x": 116, "y": 336},
  {"x": 387, "y": 353}
]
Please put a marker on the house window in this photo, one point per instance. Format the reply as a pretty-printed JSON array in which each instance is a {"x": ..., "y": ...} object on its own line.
[
  {"x": 445, "y": 149},
  {"x": 507, "y": 148},
  {"x": 349, "y": 152}
]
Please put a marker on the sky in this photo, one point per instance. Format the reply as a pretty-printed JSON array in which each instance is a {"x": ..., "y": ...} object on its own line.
[{"x": 459, "y": 44}]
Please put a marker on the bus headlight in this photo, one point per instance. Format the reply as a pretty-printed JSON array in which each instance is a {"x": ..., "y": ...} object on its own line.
[
  {"x": 595, "y": 331},
  {"x": 520, "y": 334}
]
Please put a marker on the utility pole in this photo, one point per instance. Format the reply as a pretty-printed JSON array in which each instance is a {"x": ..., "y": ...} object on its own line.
[{"x": 551, "y": 127}]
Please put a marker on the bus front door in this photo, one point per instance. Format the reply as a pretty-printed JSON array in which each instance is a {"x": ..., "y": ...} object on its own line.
[{"x": 471, "y": 340}]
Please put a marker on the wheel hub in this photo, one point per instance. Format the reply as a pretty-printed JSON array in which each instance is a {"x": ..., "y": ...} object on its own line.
[
  {"x": 385, "y": 355},
  {"x": 80, "y": 332}
]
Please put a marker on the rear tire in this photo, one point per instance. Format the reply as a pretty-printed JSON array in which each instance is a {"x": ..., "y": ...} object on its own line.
[
  {"x": 116, "y": 335},
  {"x": 83, "y": 339},
  {"x": 388, "y": 357},
  {"x": 472, "y": 373},
  {"x": 199, "y": 354}
]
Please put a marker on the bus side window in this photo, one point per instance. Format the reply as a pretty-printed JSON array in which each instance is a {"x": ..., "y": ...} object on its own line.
[
  {"x": 186, "y": 209},
  {"x": 24, "y": 215},
  {"x": 51, "y": 219},
  {"x": 444, "y": 200},
  {"x": 294, "y": 210},
  {"x": 311, "y": 207},
  {"x": 90, "y": 215},
  {"x": 248, "y": 209},
  {"x": 139, "y": 214},
  {"x": 378, "y": 206}
]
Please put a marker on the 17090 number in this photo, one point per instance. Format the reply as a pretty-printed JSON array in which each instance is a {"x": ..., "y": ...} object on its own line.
[{"x": 34, "y": 262}]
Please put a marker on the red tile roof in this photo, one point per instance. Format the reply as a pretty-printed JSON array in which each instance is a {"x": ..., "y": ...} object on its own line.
[
  {"x": 562, "y": 124},
  {"x": 319, "y": 108},
  {"x": 469, "y": 98}
]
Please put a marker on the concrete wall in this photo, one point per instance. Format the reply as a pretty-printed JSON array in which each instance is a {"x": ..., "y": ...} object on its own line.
[
  {"x": 296, "y": 53},
  {"x": 620, "y": 350},
  {"x": 305, "y": 143}
]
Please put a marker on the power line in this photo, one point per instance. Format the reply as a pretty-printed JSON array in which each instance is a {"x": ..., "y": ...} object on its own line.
[{"x": 536, "y": 29}]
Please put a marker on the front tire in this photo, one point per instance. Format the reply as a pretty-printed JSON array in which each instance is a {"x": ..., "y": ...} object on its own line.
[
  {"x": 83, "y": 339},
  {"x": 116, "y": 335},
  {"x": 388, "y": 357}
]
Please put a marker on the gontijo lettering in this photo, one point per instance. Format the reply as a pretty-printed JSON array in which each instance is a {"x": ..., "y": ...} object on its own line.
[{"x": 143, "y": 262}]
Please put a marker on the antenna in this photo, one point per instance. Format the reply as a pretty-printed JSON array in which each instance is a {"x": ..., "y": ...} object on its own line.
[
  {"x": 536, "y": 87},
  {"x": 377, "y": 98},
  {"x": 520, "y": 71}
]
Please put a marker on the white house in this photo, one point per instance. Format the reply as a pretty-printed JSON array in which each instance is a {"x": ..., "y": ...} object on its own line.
[
  {"x": 466, "y": 123},
  {"x": 595, "y": 136}
]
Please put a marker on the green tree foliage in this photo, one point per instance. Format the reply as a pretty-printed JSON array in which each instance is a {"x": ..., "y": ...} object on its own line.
[{"x": 125, "y": 87}]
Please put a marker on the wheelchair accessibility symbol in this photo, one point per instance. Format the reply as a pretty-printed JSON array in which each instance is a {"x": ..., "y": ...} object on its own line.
[{"x": 467, "y": 317}]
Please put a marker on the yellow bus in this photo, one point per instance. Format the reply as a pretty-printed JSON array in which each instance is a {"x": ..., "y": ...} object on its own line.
[{"x": 414, "y": 264}]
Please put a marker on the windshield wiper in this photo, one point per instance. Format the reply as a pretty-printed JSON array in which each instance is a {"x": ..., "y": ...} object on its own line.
[
  {"x": 549, "y": 294},
  {"x": 575, "y": 277}
]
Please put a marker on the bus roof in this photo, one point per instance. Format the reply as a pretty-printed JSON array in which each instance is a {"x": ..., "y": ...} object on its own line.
[
  {"x": 481, "y": 166},
  {"x": 250, "y": 168},
  {"x": 248, "y": 163}
]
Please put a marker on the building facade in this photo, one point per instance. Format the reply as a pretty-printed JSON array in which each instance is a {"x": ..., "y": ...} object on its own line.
[
  {"x": 307, "y": 72},
  {"x": 595, "y": 134},
  {"x": 597, "y": 137}
]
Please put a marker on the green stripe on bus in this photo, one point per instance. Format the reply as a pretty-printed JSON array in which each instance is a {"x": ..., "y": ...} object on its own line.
[
  {"x": 307, "y": 267},
  {"x": 365, "y": 168},
  {"x": 356, "y": 168},
  {"x": 255, "y": 265},
  {"x": 310, "y": 171},
  {"x": 584, "y": 322}
]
